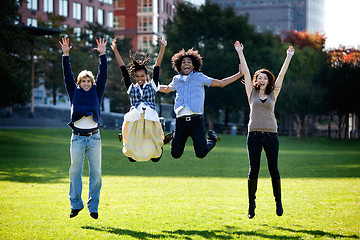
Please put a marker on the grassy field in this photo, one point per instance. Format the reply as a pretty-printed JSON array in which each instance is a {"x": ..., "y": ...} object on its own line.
[{"x": 186, "y": 198}]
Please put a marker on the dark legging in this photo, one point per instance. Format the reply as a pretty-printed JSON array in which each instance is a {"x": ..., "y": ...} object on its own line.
[{"x": 255, "y": 142}]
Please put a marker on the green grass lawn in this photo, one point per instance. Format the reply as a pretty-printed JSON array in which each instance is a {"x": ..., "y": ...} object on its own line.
[{"x": 186, "y": 198}]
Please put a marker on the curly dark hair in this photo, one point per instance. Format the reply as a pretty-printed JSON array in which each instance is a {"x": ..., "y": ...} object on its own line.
[
  {"x": 271, "y": 85},
  {"x": 194, "y": 55},
  {"x": 136, "y": 65}
]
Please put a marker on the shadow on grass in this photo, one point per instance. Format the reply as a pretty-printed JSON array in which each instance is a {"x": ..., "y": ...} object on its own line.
[
  {"x": 318, "y": 233},
  {"x": 190, "y": 234}
]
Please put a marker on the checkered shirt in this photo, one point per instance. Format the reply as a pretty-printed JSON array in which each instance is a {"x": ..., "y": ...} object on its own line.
[{"x": 147, "y": 97}]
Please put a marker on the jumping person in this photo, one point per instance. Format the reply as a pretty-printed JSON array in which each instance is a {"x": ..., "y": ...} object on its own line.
[
  {"x": 189, "y": 103},
  {"x": 142, "y": 132},
  {"x": 85, "y": 96},
  {"x": 262, "y": 93}
]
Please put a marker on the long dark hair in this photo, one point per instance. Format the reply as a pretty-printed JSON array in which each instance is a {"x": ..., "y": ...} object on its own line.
[
  {"x": 271, "y": 85},
  {"x": 136, "y": 65}
]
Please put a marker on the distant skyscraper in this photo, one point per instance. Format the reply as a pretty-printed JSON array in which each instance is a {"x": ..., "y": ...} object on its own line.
[{"x": 280, "y": 15}]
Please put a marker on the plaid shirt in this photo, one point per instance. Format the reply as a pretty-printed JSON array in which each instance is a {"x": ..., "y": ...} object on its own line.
[{"x": 145, "y": 95}]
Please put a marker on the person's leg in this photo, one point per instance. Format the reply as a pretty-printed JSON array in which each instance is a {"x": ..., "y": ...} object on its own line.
[
  {"x": 179, "y": 138},
  {"x": 93, "y": 153},
  {"x": 202, "y": 145},
  {"x": 77, "y": 155},
  {"x": 254, "y": 147},
  {"x": 271, "y": 147}
]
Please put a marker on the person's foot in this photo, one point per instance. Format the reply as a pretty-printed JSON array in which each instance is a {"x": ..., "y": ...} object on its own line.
[
  {"x": 75, "y": 212},
  {"x": 213, "y": 135},
  {"x": 120, "y": 137},
  {"x": 168, "y": 138},
  {"x": 94, "y": 215}
]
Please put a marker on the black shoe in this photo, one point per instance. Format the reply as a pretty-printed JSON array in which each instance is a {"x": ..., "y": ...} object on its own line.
[
  {"x": 94, "y": 215},
  {"x": 279, "y": 209},
  {"x": 213, "y": 135},
  {"x": 120, "y": 137},
  {"x": 75, "y": 212},
  {"x": 168, "y": 138},
  {"x": 251, "y": 212},
  {"x": 162, "y": 122}
]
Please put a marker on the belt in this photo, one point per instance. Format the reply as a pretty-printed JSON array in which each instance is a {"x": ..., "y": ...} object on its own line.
[
  {"x": 190, "y": 118},
  {"x": 86, "y": 134}
]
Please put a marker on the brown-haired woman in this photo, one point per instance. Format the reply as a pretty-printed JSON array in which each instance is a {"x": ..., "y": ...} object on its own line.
[{"x": 262, "y": 93}]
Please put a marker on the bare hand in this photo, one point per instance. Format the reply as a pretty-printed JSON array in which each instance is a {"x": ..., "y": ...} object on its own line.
[
  {"x": 101, "y": 45},
  {"x": 162, "y": 41},
  {"x": 65, "y": 45},
  {"x": 238, "y": 46},
  {"x": 290, "y": 51},
  {"x": 113, "y": 45}
]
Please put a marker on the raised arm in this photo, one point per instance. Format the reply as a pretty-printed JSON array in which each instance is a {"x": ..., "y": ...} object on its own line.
[
  {"x": 228, "y": 80},
  {"x": 66, "y": 67},
  {"x": 163, "y": 43},
  {"x": 239, "y": 47},
  {"x": 102, "y": 73},
  {"x": 279, "y": 80},
  {"x": 117, "y": 54}
]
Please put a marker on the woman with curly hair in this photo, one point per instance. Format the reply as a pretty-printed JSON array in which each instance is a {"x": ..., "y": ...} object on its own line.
[
  {"x": 189, "y": 103},
  {"x": 262, "y": 92},
  {"x": 142, "y": 133}
]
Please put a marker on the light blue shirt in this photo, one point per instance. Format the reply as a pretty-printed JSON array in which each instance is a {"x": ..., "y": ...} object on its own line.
[{"x": 190, "y": 91}]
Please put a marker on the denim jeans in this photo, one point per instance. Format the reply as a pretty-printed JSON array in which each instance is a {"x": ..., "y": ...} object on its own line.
[
  {"x": 91, "y": 147},
  {"x": 194, "y": 129},
  {"x": 255, "y": 142}
]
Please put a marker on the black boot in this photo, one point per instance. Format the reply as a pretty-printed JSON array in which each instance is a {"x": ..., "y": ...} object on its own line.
[
  {"x": 252, "y": 187},
  {"x": 277, "y": 194}
]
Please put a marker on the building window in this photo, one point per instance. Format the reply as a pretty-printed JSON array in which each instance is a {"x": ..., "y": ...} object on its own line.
[
  {"x": 100, "y": 17},
  {"x": 106, "y": 1},
  {"x": 77, "y": 11},
  {"x": 63, "y": 8},
  {"x": 77, "y": 32},
  {"x": 119, "y": 4},
  {"x": 89, "y": 14},
  {"x": 32, "y": 4},
  {"x": 145, "y": 24},
  {"x": 119, "y": 22},
  {"x": 49, "y": 6},
  {"x": 145, "y": 5},
  {"x": 110, "y": 19},
  {"x": 32, "y": 22}
]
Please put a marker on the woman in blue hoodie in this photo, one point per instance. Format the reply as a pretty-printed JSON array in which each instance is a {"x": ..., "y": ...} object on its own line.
[{"x": 85, "y": 96}]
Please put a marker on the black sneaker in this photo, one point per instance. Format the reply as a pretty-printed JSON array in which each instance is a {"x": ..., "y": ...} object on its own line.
[
  {"x": 75, "y": 212},
  {"x": 120, "y": 137},
  {"x": 213, "y": 135},
  {"x": 94, "y": 215},
  {"x": 168, "y": 137}
]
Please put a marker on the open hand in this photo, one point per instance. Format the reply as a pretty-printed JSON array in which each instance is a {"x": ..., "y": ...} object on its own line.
[
  {"x": 113, "y": 45},
  {"x": 238, "y": 46},
  {"x": 65, "y": 45},
  {"x": 290, "y": 50},
  {"x": 162, "y": 41},
  {"x": 101, "y": 45}
]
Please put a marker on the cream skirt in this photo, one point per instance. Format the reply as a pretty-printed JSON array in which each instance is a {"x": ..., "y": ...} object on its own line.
[{"x": 142, "y": 139}]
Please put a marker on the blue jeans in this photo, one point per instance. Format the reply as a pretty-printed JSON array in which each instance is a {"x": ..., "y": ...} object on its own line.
[
  {"x": 91, "y": 147},
  {"x": 255, "y": 142},
  {"x": 194, "y": 129}
]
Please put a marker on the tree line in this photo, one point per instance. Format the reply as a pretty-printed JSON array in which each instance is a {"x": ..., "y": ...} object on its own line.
[{"x": 318, "y": 82}]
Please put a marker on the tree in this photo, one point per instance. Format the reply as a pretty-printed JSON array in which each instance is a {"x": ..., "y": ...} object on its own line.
[
  {"x": 212, "y": 31},
  {"x": 14, "y": 49},
  {"x": 302, "y": 95}
]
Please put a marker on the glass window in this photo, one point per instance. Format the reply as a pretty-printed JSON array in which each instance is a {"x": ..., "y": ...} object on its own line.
[
  {"x": 32, "y": 4},
  {"x": 77, "y": 11},
  {"x": 89, "y": 14},
  {"x": 110, "y": 19},
  {"x": 32, "y": 22},
  {"x": 49, "y": 6},
  {"x": 63, "y": 8},
  {"x": 100, "y": 17}
]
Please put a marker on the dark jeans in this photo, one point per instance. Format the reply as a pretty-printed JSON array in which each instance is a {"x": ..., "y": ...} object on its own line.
[
  {"x": 255, "y": 142},
  {"x": 190, "y": 127}
]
